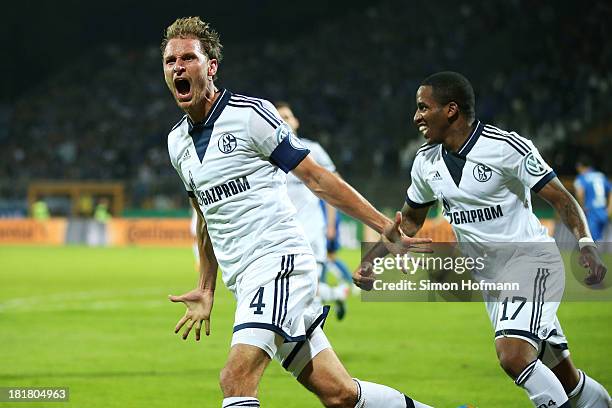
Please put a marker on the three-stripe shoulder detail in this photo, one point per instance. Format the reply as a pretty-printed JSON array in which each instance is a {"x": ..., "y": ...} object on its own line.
[
  {"x": 180, "y": 122},
  {"x": 426, "y": 147},
  {"x": 241, "y": 101},
  {"x": 511, "y": 138}
]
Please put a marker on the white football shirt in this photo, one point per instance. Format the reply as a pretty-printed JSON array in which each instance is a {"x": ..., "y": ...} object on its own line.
[
  {"x": 234, "y": 164},
  {"x": 309, "y": 212},
  {"x": 484, "y": 187}
]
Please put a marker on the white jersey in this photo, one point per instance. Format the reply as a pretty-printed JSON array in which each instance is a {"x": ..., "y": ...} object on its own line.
[
  {"x": 233, "y": 164},
  {"x": 484, "y": 187},
  {"x": 309, "y": 212}
]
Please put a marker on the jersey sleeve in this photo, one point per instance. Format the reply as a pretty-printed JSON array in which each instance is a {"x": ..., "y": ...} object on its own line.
[
  {"x": 274, "y": 139},
  {"x": 523, "y": 161},
  {"x": 322, "y": 158},
  {"x": 419, "y": 194}
]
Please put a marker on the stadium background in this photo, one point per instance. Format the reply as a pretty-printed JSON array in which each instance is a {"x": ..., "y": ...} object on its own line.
[{"x": 84, "y": 114}]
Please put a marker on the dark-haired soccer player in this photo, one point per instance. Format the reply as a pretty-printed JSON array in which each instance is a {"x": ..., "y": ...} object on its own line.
[
  {"x": 483, "y": 175},
  {"x": 231, "y": 152}
]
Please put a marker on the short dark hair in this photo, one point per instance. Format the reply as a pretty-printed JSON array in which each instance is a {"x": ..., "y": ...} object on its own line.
[
  {"x": 448, "y": 86},
  {"x": 282, "y": 104},
  {"x": 584, "y": 160}
]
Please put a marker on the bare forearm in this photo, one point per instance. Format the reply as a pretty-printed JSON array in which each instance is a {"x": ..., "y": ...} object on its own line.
[
  {"x": 208, "y": 261},
  {"x": 341, "y": 195},
  {"x": 567, "y": 207},
  {"x": 413, "y": 219},
  {"x": 410, "y": 227},
  {"x": 378, "y": 250},
  {"x": 573, "y": 217}
]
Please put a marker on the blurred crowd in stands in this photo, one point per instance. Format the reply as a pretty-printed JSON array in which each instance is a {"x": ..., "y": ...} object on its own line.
[{"x": 541, "y": 70}]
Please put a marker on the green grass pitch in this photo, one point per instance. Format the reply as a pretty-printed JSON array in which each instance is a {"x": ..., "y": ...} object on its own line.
[{"x": 98, "y": 321}]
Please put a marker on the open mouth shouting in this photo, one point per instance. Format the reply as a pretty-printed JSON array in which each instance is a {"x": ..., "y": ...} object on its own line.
[{"x": 183, "y": 89}]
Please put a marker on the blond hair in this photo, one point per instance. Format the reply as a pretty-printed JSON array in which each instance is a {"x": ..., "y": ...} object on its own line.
[{"x": 194, "y": 27}]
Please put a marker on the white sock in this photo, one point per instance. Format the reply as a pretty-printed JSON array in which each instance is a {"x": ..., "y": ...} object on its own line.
[
  {"x": 231, "y": 402},
  {"x": 326, "y": 292},
  {"x": 341, "y": 291},
  {"x": 380, "y": 396},
  {"x": 589, "y": 394},
  {"x": 543, "y": 388},
  {"x": 329, "y": 293}
]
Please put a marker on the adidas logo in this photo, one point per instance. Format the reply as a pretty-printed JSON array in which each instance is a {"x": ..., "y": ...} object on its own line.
[
  {"x": 187, "y": 155},
  {"x": 436, "y": 176}
]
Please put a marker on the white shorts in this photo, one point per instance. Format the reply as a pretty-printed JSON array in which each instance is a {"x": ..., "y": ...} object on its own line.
[
  {"x": 277, "y": 313},
  {"x": 531, "y": 313},
  {"x": 293, "y": 356},
  {"x": 319, "y": 248}
]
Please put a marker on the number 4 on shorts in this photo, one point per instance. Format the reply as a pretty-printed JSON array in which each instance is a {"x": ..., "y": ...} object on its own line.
[{"x": 259, "y": 299}]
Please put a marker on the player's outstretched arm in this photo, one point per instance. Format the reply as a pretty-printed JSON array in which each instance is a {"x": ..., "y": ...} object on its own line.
[
  {"x": 573, "y": 217},
  {"x": 337, "y": 192},
  {"x": 410, "y": 221},
  {"x": 199, "y": 302}
]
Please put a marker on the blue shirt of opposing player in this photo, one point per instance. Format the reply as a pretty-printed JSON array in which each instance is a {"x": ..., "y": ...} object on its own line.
[{"x": 594, "y": 193}]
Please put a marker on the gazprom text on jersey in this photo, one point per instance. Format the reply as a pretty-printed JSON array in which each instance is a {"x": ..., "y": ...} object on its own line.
[{"x": 478, "y": 215}]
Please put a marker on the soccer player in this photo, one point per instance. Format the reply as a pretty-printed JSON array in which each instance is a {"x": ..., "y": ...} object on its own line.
[
  {"x": 310, "y": 214},
  {"x": 594, "y": 193},
  {"x": 231, "y": 152},
  {"x": 483, "y": 175},
  {"x": 334, "y": 264}
]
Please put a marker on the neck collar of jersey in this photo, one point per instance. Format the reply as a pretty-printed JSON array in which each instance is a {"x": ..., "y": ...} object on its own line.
[
  {"x": 469, "y": 143},
  {"x": 213, "y": 114},
  {"x": 201, "y": 132}
]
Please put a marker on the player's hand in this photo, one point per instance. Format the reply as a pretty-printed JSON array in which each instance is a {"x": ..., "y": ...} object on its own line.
[
  {"x": 199, "y": 305},
  {"x": 401, "y": 243},
  {"x": 589, "y": 258},
  {"x": 363, "y": 277}
]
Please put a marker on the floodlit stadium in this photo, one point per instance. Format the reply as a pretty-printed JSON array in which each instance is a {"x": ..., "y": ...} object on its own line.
[{"x": 116, "y": 194}]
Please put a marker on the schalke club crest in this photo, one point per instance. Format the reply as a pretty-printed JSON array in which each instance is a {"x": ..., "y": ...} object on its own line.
[{"x": 482, "y": 173}]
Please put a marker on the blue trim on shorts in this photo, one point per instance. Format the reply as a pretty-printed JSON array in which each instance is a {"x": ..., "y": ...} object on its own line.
[
  {"x": 519, "y": 333},
  {"x": 271, "y": 327},
  {"x": 318, "y": 321},
  {"x": 542, "y": 349},
  {"x": 562, "y": 346}
]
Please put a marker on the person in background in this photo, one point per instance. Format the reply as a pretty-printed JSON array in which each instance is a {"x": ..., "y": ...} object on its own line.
[
  {"x": 40, "y": 211},
  {"x": 311, "y": 216},
  {"x": 594, "y": 193}
]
